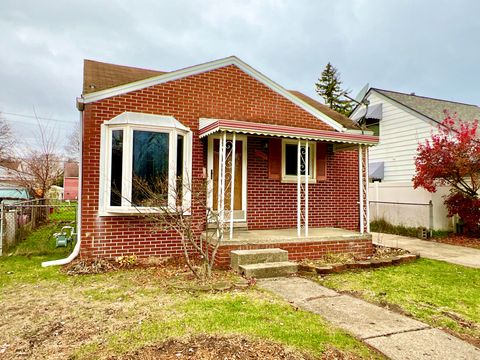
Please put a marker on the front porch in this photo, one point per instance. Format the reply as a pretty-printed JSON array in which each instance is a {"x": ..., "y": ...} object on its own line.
[{"x": 319, "y": 242}]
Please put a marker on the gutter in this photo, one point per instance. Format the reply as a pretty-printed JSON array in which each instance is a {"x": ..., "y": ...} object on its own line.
[{"x": 76, "y": 249}]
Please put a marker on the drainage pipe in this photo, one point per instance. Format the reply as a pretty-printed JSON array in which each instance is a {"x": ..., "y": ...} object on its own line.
[{"x": 76, "y": 249}]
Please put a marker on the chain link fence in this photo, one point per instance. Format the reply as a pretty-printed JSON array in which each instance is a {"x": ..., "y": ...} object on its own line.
[{"x": 18, "y": 219}]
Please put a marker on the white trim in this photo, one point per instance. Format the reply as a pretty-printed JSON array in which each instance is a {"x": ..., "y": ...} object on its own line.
[
  {"x": 209, "y": 66},
  {"x": 243, "y": 139},
  {"x": 293, "y": 178},
  {"x": 128, "y": 122}
]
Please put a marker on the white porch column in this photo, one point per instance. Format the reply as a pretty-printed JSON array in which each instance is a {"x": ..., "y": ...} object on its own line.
[
  {"x": 219, "y": 175},
  {"x": 299, "y": 204},
  {"x": 221, "y": 184},
  {"x": 367, "y": 189},
  {"x": 232, "y": 184},
  {"x": 223, "y": 172},
  {"x": 307, "y": 174},
  {"x": 360, "y": 185}
]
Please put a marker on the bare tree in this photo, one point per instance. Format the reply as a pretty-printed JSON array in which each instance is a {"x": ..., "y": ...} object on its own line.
[
  {"x": 41, "y": 163},
  {"x": 72, "y": 147},
  {"x": 188, "y": 219},
  {"x": 6, "y": 139}
]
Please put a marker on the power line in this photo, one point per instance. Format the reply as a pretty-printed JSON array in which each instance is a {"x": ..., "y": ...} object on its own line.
[{"x": 37, "y": 117}]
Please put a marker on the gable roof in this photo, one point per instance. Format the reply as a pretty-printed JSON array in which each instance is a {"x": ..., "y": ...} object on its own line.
[
  {"x": 430, "y": 107},
  {"x": 100, "y": 75},
  {"x": 340, "y": 118},
  {"x": 103, "y": 80}
]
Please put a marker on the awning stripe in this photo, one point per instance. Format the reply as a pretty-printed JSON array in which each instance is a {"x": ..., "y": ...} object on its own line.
[{"x": 213, "y": 126}]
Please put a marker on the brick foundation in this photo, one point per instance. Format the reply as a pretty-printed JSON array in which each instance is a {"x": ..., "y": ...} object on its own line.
[{"x": 302, "y": 250}]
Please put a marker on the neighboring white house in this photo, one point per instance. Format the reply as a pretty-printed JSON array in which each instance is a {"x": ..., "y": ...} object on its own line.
[{"x": 402, "y": 122}]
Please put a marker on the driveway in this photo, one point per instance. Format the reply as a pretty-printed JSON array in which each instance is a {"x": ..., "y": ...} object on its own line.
[{"x": 432, "y": 250}]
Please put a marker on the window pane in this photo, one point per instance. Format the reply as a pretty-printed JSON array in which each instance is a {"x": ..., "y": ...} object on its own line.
[
  {"x": 116, "y": 168},
  {"x": 180, "y": 166},
  {"x": 150, "y": 168},
  {"x": 180, "y": 156},
  {"x": 291, "y": 157}
]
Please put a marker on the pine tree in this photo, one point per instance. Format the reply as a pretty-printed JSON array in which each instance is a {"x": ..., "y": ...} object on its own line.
[{"x": 328, "y": 87}]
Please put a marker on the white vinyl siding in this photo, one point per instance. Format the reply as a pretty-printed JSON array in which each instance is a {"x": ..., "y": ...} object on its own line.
[{"x": 400, "y": 133}]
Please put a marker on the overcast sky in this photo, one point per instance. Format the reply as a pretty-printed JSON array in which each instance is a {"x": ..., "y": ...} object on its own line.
[{"x": 431, "y": 48}]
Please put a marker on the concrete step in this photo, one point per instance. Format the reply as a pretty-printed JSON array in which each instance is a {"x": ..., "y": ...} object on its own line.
[
  {"x": 268, "y": 270},
  {"x": 245, "y": 257}
]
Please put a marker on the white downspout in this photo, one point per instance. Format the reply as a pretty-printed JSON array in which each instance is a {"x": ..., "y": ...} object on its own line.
[
  {"x": 76, "y": 249},
  {"x": 360, "y": 183}
]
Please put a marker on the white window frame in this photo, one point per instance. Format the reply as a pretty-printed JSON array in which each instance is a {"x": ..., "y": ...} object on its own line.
[
  {"x": 129, "y": 122},
  {"x": 312, "y": 158}
]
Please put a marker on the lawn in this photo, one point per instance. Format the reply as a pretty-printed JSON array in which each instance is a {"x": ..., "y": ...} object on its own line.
[
  {"x": 441, "y": 294},
  {"x": 48, "y": 314},
  {"x": 63, "y": 212}
]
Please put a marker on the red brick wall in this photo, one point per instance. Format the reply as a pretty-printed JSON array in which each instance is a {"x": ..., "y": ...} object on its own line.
[
  {"x": 362, "y": 248},
  {"x": 332, "y": 203},
  {"x": 223, "y": 93}
]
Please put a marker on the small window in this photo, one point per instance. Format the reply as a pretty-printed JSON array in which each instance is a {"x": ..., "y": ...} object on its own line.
[{"x": 290, "y": 160}]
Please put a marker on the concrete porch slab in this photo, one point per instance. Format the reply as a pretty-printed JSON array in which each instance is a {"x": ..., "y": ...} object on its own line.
[{"x": 279, "y": 236}]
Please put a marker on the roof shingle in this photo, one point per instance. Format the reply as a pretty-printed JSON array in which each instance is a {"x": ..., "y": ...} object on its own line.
[
  {"x": 100, "y": 76},
  {"x": 433, "y": 108},
  {"x": 341, "y": 119}
]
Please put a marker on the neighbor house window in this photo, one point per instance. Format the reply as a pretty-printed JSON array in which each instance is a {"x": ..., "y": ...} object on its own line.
[
  {"x": 290, "y": 160},
  {"x": 145, "y": 162}
]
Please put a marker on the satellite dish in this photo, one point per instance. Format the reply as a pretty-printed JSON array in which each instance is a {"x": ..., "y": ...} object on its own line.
[{"x": 361, "y": 93}]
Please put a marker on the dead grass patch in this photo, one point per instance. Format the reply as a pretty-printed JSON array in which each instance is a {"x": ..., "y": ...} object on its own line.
[{"x": 211, "y": 347}]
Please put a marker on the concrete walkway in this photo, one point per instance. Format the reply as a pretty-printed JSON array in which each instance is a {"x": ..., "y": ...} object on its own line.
[
  {"x": 459, "y": 255},
  {"x": 396, "y": 336}
]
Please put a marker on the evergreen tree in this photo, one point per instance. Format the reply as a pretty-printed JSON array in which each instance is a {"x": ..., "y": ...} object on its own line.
[{"x": 328, "y": 87}]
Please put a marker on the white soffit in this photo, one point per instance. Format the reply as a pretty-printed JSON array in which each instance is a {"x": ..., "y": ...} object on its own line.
[{"x": 198, "y": 69}]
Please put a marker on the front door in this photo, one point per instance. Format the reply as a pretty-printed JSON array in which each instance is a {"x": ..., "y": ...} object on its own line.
[{"x": 239, "y": 198}]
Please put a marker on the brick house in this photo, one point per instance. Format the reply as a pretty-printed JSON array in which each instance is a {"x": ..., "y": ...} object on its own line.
[{"x": 297, "y": 179}]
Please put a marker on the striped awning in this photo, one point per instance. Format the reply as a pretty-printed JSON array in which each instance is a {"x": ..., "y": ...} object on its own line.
[{"x": 212, "y": 126}]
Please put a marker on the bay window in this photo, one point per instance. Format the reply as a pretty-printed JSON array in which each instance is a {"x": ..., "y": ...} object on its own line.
[{"x": 145, "y": 163}]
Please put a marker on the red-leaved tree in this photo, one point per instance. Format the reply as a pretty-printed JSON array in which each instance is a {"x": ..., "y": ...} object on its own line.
[{"x": 452, "y": 157}]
